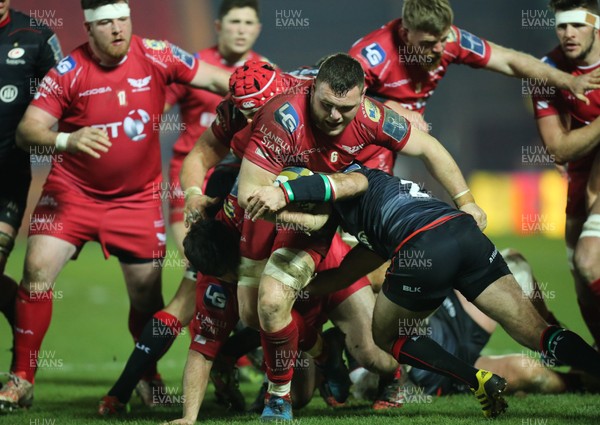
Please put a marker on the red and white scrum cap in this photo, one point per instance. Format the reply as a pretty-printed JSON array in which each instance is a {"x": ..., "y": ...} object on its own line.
[{"x": 253, "y": 84}]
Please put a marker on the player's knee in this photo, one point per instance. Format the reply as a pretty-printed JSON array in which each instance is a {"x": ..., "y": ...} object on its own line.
[
  {"x": 271, "y": 307},
  {"x": 588, "y": 248},
  {"x": 249, "y": 316},
  {"x": 36, "y": 276},
  {"x": 291, "y": 267}
]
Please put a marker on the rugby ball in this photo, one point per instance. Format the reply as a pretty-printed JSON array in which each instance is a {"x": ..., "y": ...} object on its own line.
[{"x": 292, "y": 173}]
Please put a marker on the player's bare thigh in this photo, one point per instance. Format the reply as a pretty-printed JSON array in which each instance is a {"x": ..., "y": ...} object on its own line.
[
  {"x": 505, "y": 302},
  {"x": 354, "y": 317},
  {"x": 144, "y": 285},
  {"x": 386, "y": 317}
]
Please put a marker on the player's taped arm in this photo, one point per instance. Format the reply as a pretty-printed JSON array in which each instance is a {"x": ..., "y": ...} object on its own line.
[
  {"x": 357, "y": 263},
  {"x": 195, "y": 381},
  {"x": 211, "y": 78},
  {"x": 517, "y": 64},
  {"x": 324, "y": 188},
  {"x": 564, "y": 144}
]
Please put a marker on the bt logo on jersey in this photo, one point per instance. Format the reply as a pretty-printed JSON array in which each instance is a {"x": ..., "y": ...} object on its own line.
[{"x": 133, "y": 125}]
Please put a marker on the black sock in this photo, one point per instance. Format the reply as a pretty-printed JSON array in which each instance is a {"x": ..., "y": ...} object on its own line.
[
  {"x": 424, "y": 353},
  {"x": 352, "y": 363},
  {"x": 8, "y": 294},
  {"x": 570, "y": 349},
  {"x": 155, "y": 340},
  {"x": 240, "y": 343}
]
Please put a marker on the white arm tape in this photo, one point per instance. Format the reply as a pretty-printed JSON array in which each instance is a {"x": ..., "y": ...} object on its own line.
[
  {"x": 61, "y": 142},
  {"x": 192, "y": 190}
]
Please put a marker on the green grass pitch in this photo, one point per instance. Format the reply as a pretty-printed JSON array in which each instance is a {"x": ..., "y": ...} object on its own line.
[{"x": 88, "y": 342}]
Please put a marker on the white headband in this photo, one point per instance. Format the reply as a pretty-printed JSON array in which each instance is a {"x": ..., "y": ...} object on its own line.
[
  {"x": 108, "y": 11},
  {"x": 577, "y": 17}
]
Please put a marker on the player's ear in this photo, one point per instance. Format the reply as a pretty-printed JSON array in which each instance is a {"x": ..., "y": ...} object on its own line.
[
  {"x": 404, "y": 34},
  {"x": 218, "y": 26},
  {"x": 87, "y": 26}
]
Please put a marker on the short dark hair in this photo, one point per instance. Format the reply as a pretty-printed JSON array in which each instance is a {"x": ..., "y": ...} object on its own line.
[
  {"x": 212, "y": 247},
  {"x": 227, "y": 5},
  {"x": 342, "y": 73},
  {"x": 94, "y": 4},
  {"x": 563, "y": 5}
]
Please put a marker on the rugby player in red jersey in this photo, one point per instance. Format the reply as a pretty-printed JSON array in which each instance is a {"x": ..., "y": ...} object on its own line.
[
  {"x": 211, "y": 147},
  {"x": 405, "y": 59},
  {"x": 106, "y": 97},
  {"x": 323, "y": 127},
  {"x": 570, "y": 131}
]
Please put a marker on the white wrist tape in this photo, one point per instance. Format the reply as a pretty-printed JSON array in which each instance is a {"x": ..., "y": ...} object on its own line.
[
  {"x": 192, "y": 190},
  {"x": 577, "y": 17},
  {"x": 108, "y": 11},
  {"x": 458, "y": 195},
  {"x": 61, "y": 142}
]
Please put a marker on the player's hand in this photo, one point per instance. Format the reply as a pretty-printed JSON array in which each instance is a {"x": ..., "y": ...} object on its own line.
[
  {"x": 583, "y": 83},
  {"x": 195, "y": 208},
  {"x": 181, "y": 421},
  {"x": 267, "y": 199},
  {"x": 89, "y": 140},
  {"x": 477, "y": 213}
]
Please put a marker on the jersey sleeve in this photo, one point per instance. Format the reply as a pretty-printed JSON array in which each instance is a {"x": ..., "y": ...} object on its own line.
[
  {"x": 54, "y": 93},
  {"x": 175, "y": 92},
  {"x": 545, "y": 105},
  {"x": 215, "y": 317},
  {"x": 223, "y": 126},
  {"x": 393, "y": 129},
  {"x": 50, "y": 53},
  {"x": 470, "y": 49},
  {"x": 180, "y": 65}
]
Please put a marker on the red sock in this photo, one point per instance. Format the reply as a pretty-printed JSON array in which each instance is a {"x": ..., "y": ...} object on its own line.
[
  {"x": 307, "y": 334},
  {"x": 32, "y": 318},
  {"x": 137, "y": 322},
  {"x": 280, "y": 351},
  {"x": 170, "y": 322}
]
